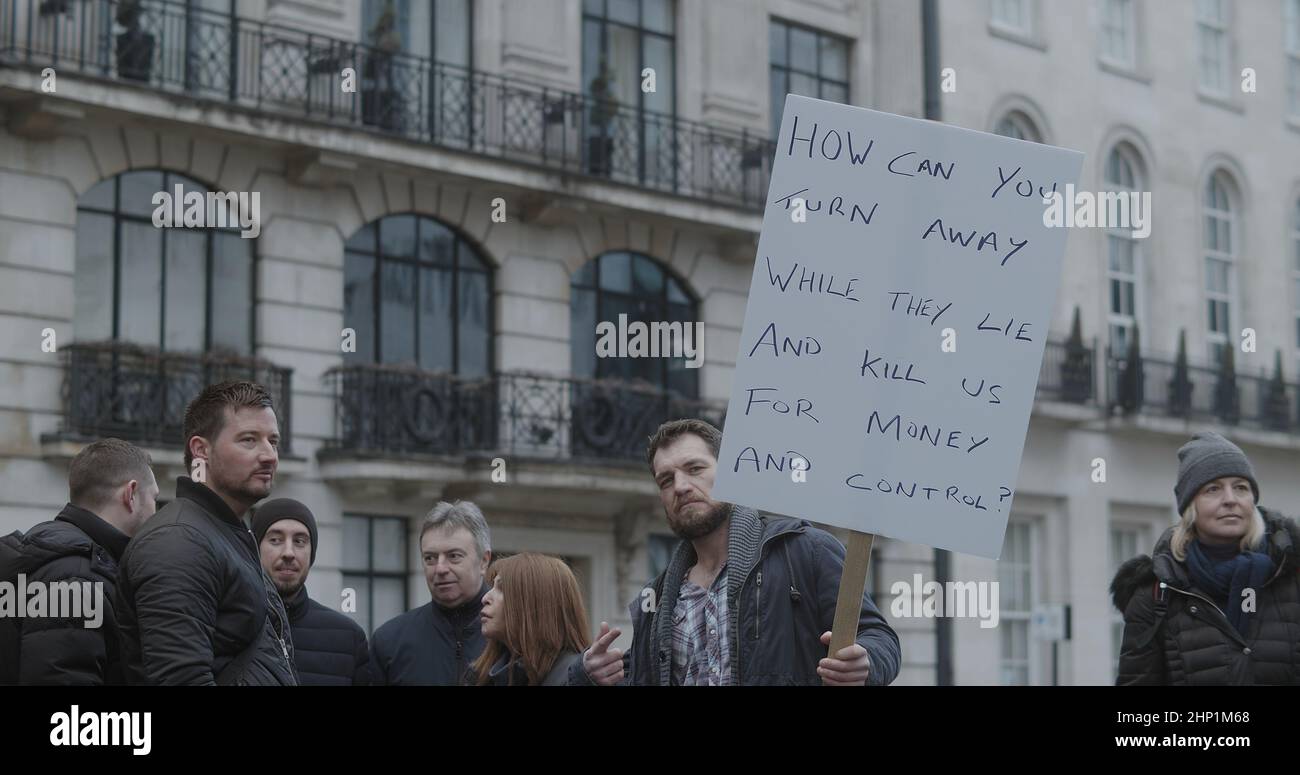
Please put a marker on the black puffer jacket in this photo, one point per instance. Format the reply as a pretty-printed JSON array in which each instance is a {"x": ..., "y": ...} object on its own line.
[
  {"x": 76, "y": 547},
  {"x": 329, "y": 648},
  {"x": 1185, "y": 638},
  {"x": 194, "y": 604}
]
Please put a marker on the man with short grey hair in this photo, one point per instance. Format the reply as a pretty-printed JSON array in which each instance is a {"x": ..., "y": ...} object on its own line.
[{"x": 434, "y": 644}]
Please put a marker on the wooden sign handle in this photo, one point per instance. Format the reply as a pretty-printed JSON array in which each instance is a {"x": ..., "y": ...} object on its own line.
[{"x": 848, "y": 608}]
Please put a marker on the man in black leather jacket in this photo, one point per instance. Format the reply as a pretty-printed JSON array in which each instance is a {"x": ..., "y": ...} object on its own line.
[{"x": 195, "y": 606}]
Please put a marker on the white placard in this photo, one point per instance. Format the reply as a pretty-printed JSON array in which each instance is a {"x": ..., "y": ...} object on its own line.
[{"x": 916, "y": 234}]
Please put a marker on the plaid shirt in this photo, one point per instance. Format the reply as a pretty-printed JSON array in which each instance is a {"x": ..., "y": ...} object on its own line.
[{"x": 701, "y": 656}]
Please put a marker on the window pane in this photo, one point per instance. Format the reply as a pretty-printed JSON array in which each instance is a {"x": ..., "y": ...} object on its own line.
[
  {"x": 435, "y": 320},
  {"x": 356, "y": 543},
  {"x": 390, "y": 544},
  {"x": 591, "y": 59},
  {"x": 647, "y": 278},
  {"x": 93, "y": 280},
  {"x": 776, "y": 95},
  {"x": 675, "y": 293},
  {"x": 616, "y": 272},
  {"x": 659, "y": 55},
  {"x": 474, "y": 325},
  {"x": 361, "y": 586},
  {"x": 232, "y": 292},
  {"x": 100, "y": 195},
  {"x": 397, "y": 312},
  {"x": 138, "y": 189},
  {"x": 586, "y": 274},
  {"x": 139, "y": 303},
  {"x": 390, "y": 599},
  {"x": 596, "y": 7},
  {"x": 658, "y": 15},
  {"x": 451, "y": 28},
  {"x": 625, "y": 11},
  {"x": 835, "y": 58},
  {"x": 835, "y": 93},
  {"x": 804, "y": 85},
  {"x": 397, "y": 236},
  {"x": 359, "y": 305},
  {"x": 803, "y": 50},
  {"x": 364, "y": 239},
  {"x": 776, "y": 43},
  {"x": 582, "y": 326},
  {"x": 186, "y": 284},
  {"x": 437, "y": 243}
]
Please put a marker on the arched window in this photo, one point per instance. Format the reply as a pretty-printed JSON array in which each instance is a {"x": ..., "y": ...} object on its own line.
[
  {"x": 1019, "y": 126},
  {"x": 1221, "y": 218},
  {"x": 1123, "y": 252},
  {"x": 416, "y": 292},
  {"x": 637, "y": 286},
  {"x": 177, "y": 289}
]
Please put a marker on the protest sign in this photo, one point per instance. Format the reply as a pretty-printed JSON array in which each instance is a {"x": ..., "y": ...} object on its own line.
[{"x": 900, "y": 303}]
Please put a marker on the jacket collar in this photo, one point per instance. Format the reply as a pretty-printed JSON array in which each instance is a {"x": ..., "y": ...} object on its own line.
[
  {"x": 96, "y": 529},
  {"x": 745, "y": 540},
  {"x": 297, "y": 604},
  {"x": 207, "y": 500},
  {"x": 466, "y": 611}
]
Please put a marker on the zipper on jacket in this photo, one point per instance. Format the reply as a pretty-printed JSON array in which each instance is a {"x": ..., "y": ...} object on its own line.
[
  {"x": 1232, "y": 630},
  {"x": 758, "y": 604},
  {"x": 761, "y": 545}
]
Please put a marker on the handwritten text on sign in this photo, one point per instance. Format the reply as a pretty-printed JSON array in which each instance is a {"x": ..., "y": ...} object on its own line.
[{"x": 913, "y": 233}]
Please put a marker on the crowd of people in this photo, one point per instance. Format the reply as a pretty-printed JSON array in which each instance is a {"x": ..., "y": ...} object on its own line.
[{"x": 211, "y": 588}]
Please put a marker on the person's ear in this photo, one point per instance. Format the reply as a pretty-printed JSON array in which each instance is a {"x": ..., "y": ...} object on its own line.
[
  {"x": 129, "y": 492},
  {"x": 487, "y": 560}
]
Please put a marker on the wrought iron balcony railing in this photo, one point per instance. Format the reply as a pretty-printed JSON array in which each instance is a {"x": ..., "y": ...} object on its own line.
[
  {"x": 179, "y": 48},
  {"x": 1067, "y": 372},
  {"x": 140, "y": 395},
  {"x": 1197, "y": 392},
  {"x": 386, "y": 410}
]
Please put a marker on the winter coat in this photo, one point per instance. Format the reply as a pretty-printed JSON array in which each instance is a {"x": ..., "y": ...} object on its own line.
[
  {"x": 783, "y": 580},
  {"x": 194, "y": 603},
  {"x": 1177, "y": 633},
  {"x": 329, "y": 648},
  {"x": 76, "y": 547}
]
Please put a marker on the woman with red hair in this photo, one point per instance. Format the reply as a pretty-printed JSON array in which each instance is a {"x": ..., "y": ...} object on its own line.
[{"x": 534, "y": 622}]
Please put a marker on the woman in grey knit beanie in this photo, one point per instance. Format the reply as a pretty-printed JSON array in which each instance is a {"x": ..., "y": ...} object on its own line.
[{"x": 1218, "y": 602}]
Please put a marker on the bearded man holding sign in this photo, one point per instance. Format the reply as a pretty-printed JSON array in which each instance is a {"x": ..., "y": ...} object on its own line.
[{"x": 745, "y": 599}]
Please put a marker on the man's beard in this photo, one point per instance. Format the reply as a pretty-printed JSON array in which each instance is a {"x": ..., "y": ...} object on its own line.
[
  {"x": 288, "y": 589},
  {"x": 691, "y": 528},
  {"x": 247, "y": 491}
]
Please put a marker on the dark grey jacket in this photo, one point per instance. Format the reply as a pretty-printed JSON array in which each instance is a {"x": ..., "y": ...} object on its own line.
[
  {"x": 1178, "y": 634},
  {"x": 783, "y": 579},
  {"x": 195, "y": 606},
  {"x": 428, "y": 646}
]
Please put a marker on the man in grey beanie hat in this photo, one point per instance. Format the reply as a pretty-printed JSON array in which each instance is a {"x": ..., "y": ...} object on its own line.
[
  {"x": 1209, "y": 456},
  {"x": 330, "y": 649}
]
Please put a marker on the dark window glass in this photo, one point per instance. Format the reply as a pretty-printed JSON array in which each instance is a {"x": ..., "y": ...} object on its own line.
[
  {"x": 435, "y": 298},
  {"x": 807, "y": 62}
]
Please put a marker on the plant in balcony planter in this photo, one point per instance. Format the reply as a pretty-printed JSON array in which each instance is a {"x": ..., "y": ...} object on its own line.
[
  {"x": 1180, "y": 385},
  {"x": 602, "y": 114},
  {"x": 1227, "y": 403},
  {"x": 1076, "y": 370},
  {"x": 134, "y": 46},
  {"x": 1131, "y": 382},
  {"x": 1277, "y": 410},
  {"x": 382, "y": 103}
]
